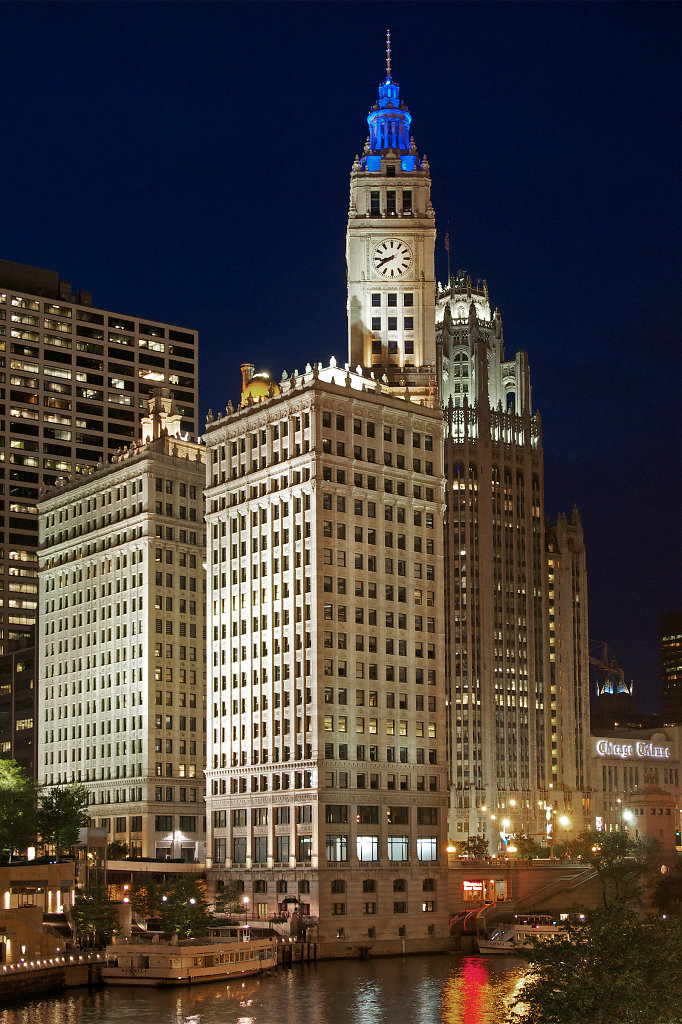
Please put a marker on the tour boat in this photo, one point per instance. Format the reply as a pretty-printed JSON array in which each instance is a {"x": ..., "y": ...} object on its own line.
[
  {"x": 153, "y": 961},
  {"x": 519, "y": 933}
]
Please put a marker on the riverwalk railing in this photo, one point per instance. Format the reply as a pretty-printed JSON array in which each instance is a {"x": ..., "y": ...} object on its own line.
[{"x": 45, "y": 963}]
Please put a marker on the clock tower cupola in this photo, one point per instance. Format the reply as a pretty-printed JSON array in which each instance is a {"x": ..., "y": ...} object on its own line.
[{"x": 390, "y": 243}]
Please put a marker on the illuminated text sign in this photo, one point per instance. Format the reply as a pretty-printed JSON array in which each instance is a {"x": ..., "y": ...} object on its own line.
[{"x": 624, "y": 748}]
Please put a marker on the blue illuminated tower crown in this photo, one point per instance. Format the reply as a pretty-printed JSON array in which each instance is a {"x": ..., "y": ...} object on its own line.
[{"x": 389, "y": 124}]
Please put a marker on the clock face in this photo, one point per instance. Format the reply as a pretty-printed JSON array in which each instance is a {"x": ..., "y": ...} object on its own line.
[{"x": 391, "y": 258}]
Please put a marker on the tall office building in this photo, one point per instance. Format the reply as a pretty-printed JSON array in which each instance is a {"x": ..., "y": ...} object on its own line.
[
  {"x": 327, "y": 772},
  {"x": 121, "y": 640},
  {"x": 671, "y": 666},
  {"x": 510, "y": 757},
  {"x": 76, "y": 380}
]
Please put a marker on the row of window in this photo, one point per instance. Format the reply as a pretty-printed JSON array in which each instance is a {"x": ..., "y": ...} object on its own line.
[
  {"x": 372, "y": 699},
  {"x": 304, "y": 780},
  {"x": 391, "y": 197},
  {"x": 391, "y": 323},
  {"x": 392, "y": 299},
  {"x": 367, "y": 428}
]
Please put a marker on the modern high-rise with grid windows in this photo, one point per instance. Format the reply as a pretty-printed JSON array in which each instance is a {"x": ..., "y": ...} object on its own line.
[{"x": 75, "y": 381}]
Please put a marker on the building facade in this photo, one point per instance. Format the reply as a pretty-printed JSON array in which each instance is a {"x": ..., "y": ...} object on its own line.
[
  {"x": 671, "y": 667},
  {"x": 76, "y": 378},
  {"x": 327, "y": 772},
  {"x": 626, "y": 765},
  {"x": 517, "y": 722},
  {"x": 18, "y": 698},
  {"x": 121, "y": 641},
  {"x": 569, "y": 699}
]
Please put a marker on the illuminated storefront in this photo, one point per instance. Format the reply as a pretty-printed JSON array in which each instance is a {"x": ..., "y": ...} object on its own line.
[{"x": 484, "y": 890}]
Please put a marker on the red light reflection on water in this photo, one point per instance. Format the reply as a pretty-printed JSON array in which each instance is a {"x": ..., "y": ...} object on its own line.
[
  {"x": 474, "y": 983},
  {"x": 466, "y": 998}
]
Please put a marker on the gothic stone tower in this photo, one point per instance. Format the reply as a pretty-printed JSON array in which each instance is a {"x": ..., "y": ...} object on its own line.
[
  {"x": 390, "y": 252},
  {"x": 496, "y": 583}
]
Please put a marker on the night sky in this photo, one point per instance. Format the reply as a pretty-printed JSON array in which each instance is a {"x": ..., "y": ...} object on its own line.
[{"x": 190, "y": 163}]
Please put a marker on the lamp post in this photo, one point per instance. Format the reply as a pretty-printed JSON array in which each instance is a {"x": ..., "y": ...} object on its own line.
[
  {"x": 565, "y": 823},
  {"x": 245, "y": 900}
]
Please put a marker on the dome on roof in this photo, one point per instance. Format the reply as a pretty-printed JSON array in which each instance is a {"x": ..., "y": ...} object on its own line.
[{"x": 258, "y": 388}]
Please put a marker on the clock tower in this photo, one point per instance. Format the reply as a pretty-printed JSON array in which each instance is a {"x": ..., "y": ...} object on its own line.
[{"x": 390, "y": 252}]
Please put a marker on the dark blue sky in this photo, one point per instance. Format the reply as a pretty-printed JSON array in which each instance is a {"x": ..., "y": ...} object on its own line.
[{"x": 190, "y": 162}]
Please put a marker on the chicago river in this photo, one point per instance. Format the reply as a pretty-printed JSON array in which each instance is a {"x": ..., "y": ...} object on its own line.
[{"x": 449, "y": 989}]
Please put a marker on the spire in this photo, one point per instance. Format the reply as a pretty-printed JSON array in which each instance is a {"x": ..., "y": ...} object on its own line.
[{"x": 389, "y": 119}]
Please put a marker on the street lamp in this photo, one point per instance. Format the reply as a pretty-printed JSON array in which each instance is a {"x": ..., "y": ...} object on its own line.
[
  {"x": 565, "y": 823},
  {"x": 245, "y": 900}
]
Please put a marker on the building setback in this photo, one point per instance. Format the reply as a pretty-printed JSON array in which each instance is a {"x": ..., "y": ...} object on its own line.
[
  {"x": 327, "y": 773},
  {"x": 121, "y": 642},
  {"x": 76, "y": 381}
]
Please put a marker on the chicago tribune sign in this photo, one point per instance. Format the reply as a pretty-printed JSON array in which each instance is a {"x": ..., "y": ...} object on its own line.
[{"x": 639, "y": 748}]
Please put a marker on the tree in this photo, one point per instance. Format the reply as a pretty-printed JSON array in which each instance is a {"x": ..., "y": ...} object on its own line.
[
  {"x": 94, "y": 916},
  {"x": 614, "y": 968},
  {"x": 621, "y": 863},
  {"x": 117, "y": 850},
  {"x": 184, "y": 910},
  {"x": 527, "y": 847},
  {"x": 667, "y": 890},
  {"x": 62, "y": 813},
  {"x": 18, "y": 800},
  {"x": 228, "y": 898},
  {"x": 145, "y": 895},
  {"x": 477, "y": 846}
]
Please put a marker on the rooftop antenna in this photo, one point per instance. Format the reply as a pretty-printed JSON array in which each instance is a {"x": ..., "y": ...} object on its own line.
[{"x": 388, "y": 55}]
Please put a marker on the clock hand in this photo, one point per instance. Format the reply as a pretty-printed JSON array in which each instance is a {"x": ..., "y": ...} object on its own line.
[{"x": 386, "y": 259}]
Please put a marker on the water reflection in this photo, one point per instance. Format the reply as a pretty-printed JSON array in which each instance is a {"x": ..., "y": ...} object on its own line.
[
  {"x": 480, "y": 991},
  {"x": 402, "y": 990}
]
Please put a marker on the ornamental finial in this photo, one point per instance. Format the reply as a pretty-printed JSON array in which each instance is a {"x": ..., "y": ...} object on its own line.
[{"x": 388, "y": 55}]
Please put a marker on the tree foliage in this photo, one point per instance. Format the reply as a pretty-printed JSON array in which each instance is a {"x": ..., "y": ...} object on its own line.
[
  {"x": 94, "y": 917},
  {"x": 184, "y": 909},
  {"x": 62, "y": 813},
  {"x": 527, "y": 847},
  {"x": 614, "y": 968},
  {"x": 18, "y": 802},
  {"x": 117, "y": 850},
  {"x": 228, "y": 898},
  {"x": 622, "y": 864},
  {"x": 476, "y": 846},
  {"x": 146, "y": 894},
  {"x": 666, "y": 891}
]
